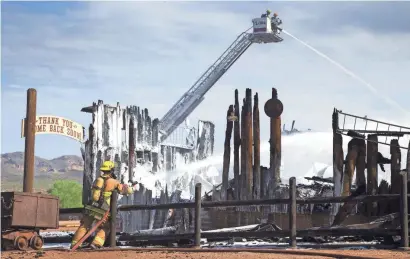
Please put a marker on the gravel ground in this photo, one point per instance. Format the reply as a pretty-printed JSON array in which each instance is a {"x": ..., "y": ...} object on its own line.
[{"x": 382, "y": 254}]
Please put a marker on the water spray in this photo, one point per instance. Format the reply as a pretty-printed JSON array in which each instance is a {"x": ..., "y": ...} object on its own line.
[{"x": 350, "y": 73}]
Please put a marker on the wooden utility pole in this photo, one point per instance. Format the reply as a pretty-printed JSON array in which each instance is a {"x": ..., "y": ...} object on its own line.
[
  {"x": 237, "y": 143},
  {"x": 243, "y": 153},
  {"x": 227, "y": 152},
  {"x": 30, "y": 134},
  {"x": 351, "y": 157},
  {"x": 256, "y": 149},
  {"x": 372, "y": 151},
  {"x": 275, "y": 147},
  {"x": 249, "y": 138}
]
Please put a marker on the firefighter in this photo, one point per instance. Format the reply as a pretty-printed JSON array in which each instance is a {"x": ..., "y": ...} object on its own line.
[
  {"x": 276, "y": 19},
  {"x": 266, "y": 14},
  {"x": 275, "y": 22},
  {"x": 102, "y": 189}
]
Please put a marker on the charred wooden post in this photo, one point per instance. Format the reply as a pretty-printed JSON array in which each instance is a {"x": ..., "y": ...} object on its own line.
[
  {"x": 198, "y": 215},
  {"x": 30, "y": 138},
  {"x": 347, "y": 207},
  {"x": 249, "y": 144},
  {"x": 131, "y": 151},
  {"x": 256, "y": 149},
  {"x": 155, "y": 123},
  {"x": 361, "y": 163},
  {"x": 275, "y": 147},
  {"x": 237, "y": 143},
  {"x": 337, "y": 159},
  {"x": 372, "y": 176},
  {"x": 380, "y": 208},
  {"x": 352, "y": 153},
  {"x": 139, "y": 125},
  {"x": 395, "y": 179},
  {"x": 404, "y": 202},
  {"x": 113, "y": 219},
  {"x": 227, "y": 153},
  {"x": 404, "y": 217},
  {"x": 87, "y": 178},
  {"x": 292, "y": 212},
  {"x": 243, "y": 153}
]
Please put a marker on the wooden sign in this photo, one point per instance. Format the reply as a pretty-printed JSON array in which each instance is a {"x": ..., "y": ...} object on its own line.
[{"x": 49, "y": 124}]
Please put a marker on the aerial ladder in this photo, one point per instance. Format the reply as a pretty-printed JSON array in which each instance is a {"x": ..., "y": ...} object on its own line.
[{"x": 266, "y": 29}]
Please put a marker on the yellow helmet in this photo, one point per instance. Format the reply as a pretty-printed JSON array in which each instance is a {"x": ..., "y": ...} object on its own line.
[
  {"x": 107, "y": 166},
  {"x": 268, "y": 12}
]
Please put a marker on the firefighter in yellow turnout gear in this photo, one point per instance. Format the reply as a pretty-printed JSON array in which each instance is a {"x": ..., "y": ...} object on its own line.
[{"x": 102, "y": 189}]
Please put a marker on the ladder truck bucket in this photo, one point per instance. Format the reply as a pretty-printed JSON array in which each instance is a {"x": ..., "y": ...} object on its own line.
[{"x": 266, "y": 30}]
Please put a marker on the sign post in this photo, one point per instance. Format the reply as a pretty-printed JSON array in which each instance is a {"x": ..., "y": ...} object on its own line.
[
  {"x": 30, "y": 130},
  {"x": 43, "y": 124}
]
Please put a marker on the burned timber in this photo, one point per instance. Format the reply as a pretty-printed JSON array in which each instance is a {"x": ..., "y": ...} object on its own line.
[{"x": 258, "y": 199}]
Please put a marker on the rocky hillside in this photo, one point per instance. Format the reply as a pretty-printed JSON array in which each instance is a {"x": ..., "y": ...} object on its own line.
[{"x": 46, "y": 171}]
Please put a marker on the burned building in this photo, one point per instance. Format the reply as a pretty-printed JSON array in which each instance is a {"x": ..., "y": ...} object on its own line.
[{"x": 130, "y": 137}]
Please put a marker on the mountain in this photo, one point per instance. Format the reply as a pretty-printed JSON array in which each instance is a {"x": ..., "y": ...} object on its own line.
[{"x": 68, "y": 167}]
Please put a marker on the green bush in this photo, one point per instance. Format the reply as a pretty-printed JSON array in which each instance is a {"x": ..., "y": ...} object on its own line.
[{"x": 70, "y": 193}]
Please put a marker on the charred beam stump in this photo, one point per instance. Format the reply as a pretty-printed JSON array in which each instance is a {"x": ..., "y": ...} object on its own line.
[
  {"x": 351, "y": 157},
  {"x": 360, "y": 169},
  {"x": 249, "y": 144},
  {"x": 347, "y": 207},
  {"x": 243, "y": 154},
  {"x": 361, "y": 163},
  {"x": 131, "y": 151},
  {"x": 227, "y": 153},
  {"x": 380, "y": 208},
  {"x": 275, "y": 149},
  {"x": 372, "y": 175},
  {"x": 237, "y": 143},
  {"x": 256, "y": 150},
  {"x": 395, "y": 178},
  {"x": 337, "y": 160}
]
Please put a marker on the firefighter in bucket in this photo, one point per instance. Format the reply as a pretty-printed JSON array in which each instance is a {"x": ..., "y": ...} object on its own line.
[{"x": 102, "y": 189}]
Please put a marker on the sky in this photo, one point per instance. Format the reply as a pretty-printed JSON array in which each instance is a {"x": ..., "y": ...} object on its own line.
[{"x": 149, "y": 53}]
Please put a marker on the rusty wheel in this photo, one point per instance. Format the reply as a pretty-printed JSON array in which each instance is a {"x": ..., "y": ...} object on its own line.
[
  {"x": 36, "y": 242},
  {"x": 21, "y": 243}
]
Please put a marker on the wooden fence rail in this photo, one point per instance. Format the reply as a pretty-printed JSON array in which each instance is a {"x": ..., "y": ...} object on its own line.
[{"x": 292, "y": 233}]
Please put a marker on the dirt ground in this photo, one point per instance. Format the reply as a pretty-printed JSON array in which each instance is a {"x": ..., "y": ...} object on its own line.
[{"x": 382, "y": 254}]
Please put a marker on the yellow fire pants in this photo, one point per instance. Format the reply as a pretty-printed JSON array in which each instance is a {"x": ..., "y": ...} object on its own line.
[{"x": 86, "y": 224}]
